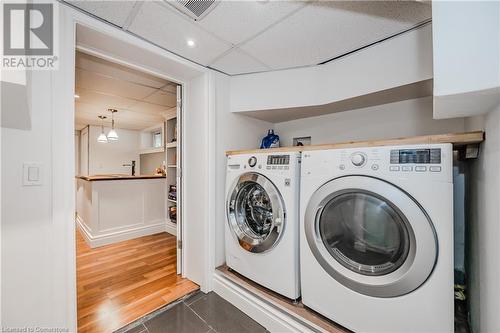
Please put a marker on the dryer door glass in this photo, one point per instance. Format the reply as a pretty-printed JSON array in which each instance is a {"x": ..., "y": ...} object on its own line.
[
  {"x": 256, "y": 213},
  {"x": 364, "y": 233}
]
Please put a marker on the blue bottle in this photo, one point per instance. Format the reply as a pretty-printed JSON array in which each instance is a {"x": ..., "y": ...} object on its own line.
[{"x": 271, "y": 140}]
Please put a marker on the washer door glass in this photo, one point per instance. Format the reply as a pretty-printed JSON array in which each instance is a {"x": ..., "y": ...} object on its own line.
[
  {"x": 364, "y": 233},
  {"x": 256, "y": 213}
]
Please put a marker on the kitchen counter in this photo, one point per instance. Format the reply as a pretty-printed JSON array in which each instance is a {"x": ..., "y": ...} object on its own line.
[{"x": 118, "y": 177}]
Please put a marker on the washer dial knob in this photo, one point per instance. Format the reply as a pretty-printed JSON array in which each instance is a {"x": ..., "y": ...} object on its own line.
[
  {"x": 252, "y": 161},
  {"x": 358, "y": 159}
]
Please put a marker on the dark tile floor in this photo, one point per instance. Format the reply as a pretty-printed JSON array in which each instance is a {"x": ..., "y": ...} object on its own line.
[{"x": 199, "y": 313}]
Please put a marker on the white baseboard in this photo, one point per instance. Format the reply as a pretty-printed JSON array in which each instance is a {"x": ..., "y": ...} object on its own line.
[
  {"x": 265, "y": 313},
  {"x": 118, "y": 236},
  {"x": 170, "y": 227}
]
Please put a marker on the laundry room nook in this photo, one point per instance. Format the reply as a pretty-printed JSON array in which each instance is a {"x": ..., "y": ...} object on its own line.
[
  {"x": 251, "y": 166},
  {"x": 387, "y": 195}
]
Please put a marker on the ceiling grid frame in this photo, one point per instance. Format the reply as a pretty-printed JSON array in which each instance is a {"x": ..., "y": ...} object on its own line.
[{"x": 409, "y": 13}]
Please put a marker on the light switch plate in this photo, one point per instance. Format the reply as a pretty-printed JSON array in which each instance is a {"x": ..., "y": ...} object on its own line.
[{"x": 32, "y": 174}]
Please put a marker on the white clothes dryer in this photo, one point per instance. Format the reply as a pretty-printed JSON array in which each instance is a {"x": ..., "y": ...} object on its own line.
[{"x": 377, "y": 237}]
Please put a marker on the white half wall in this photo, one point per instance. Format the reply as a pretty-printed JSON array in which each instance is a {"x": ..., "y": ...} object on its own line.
[
  {"x": 484, "y": 226},
  {"x": 400, "y": 119},
  {"x": 401, "y": 60}
]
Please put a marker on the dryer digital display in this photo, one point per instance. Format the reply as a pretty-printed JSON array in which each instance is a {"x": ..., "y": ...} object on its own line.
[
  {"x": 416, "y": 156},
  {"x": 278, "y": 160}
]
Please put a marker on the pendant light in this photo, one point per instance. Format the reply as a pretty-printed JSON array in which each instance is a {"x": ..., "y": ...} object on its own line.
[
  {"x": 112, "y": 135},
  {"x": 102, "y": 137}
]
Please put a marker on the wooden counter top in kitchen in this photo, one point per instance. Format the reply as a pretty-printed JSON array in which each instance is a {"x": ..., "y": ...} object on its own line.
[
  {"x": 457, "y": 139},
  {"x": 118, "y": 177}
]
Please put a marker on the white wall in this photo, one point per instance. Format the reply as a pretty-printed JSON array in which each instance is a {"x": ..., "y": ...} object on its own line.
[
  {"x": 233, "y": 131},
  {"x": 106, "y": 158},
  {"x": 466, "y": 57},
  {"x": 34, "y": 284},
  {"x": 149, "y": 162},
  {"x": 405, "y": 118},
  {"x": 195, "y": 191},
  {"x": 77, "y": 152},
  {"x": 398, "y": 61},
  {"x": 38, "y": 270},
  {"x": 484, "y": 224}
]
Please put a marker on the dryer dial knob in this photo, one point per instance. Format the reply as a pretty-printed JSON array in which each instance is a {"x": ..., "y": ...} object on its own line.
[{"x": 358, "y": 159}]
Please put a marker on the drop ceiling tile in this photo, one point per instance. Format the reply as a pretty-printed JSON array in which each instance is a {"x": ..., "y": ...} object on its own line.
[
  {"x": 238, "y": 62},
  {"x": 115, "y": 12},
  {"x": 97, "y": 65},
  {"x": 236, "y": 21},
  {"x": 163, "y": 98},
  {"x": 150, "y": 108},
  {"x": 326, "y": 29},
  {"x": 88, "y": 114},
  {"x": 108, "y": 85},
  {"x": 164, "y": 26},
  {"x": 103, "y": 101},
  {"x": 170, "y": 88}
]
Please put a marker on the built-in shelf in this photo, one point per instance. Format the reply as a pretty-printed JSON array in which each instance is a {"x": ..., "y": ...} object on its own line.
[
  {"x": 172, "y": 144},
  {"x": 152, "y": 150},
  {"x": 173, "y": 201},
  {"x": 172, "y": 166},
  {"x": 457, "y": 139}
]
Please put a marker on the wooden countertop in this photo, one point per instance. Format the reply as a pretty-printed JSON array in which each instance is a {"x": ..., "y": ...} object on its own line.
[
  {"x": 457, "y": 139},
  {"x": 118, "y": 177}
]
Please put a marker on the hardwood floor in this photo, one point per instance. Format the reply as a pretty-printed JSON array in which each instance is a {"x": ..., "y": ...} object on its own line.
[{"x": 122, "y": 282}]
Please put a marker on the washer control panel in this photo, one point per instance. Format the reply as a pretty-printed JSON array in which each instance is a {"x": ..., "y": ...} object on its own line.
[
  {"x": 252, "y": 161},
  {"x": 358, "y": 159},
  {"x": 278, "y": 162}
]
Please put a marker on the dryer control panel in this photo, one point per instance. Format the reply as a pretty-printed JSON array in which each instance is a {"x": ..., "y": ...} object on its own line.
[{"x": 416, "y": 156}]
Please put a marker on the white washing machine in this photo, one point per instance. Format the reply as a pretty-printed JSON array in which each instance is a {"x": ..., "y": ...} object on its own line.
[
  {"x": 262, "y": 221},
  {"x": 377, "y": 237}
]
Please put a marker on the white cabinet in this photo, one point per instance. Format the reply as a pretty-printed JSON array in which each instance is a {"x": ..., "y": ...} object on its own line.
[{"x": 466, "y": 56}]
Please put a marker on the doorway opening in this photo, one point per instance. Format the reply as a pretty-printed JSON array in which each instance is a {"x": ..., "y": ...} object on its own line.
[{"x": 128, "y": 153}]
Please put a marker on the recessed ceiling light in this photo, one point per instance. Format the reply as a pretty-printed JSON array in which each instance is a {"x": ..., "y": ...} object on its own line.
[
  {"x": 190, "y": 43},
  {"x": 77, "y": 96}
]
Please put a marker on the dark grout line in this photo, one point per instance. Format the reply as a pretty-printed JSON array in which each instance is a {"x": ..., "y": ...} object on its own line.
[
  {"x": 202, "y": 319},
  {"x": 196, "y": 300}
]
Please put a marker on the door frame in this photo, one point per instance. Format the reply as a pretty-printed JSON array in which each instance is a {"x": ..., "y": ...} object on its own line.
[{"x": 181, "y": 71}]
